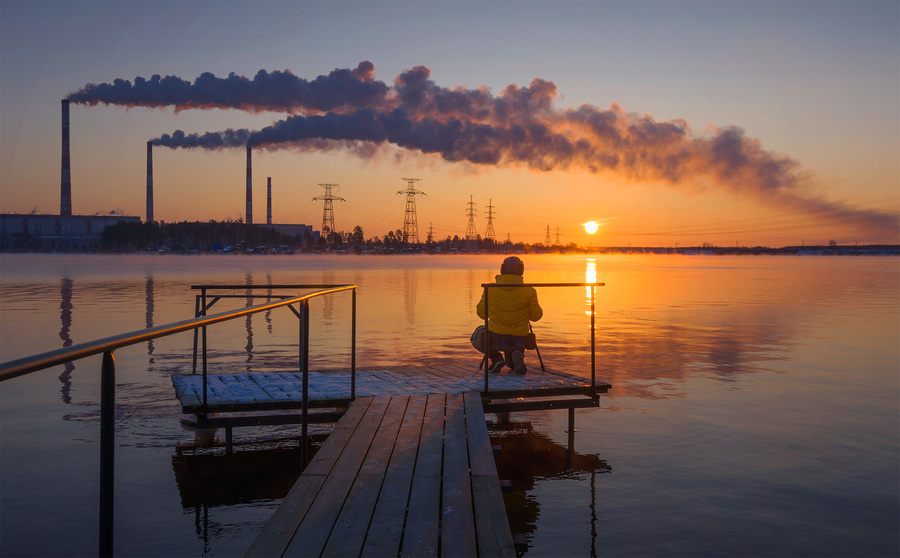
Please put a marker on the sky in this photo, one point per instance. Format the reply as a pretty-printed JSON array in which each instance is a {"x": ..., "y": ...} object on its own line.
[{"x": 668, "y": 123}]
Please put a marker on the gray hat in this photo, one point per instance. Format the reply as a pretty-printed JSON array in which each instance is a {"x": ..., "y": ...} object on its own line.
[{"x": 512, "y": 266}]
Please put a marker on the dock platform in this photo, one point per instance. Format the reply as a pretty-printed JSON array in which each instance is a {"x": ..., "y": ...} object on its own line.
[
  {"x": 249, "y": 392},
  {"x": 400, "y": 475}
]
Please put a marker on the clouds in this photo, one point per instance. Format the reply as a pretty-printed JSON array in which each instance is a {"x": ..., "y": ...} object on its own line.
[{"x": 519, "y": 127}]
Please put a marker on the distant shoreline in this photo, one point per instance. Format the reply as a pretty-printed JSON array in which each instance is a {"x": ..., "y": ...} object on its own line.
[{"x": 868, "y": 250}]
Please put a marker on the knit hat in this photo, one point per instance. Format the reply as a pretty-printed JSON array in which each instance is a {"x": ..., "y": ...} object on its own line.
[{"x": 512, "y": 266}]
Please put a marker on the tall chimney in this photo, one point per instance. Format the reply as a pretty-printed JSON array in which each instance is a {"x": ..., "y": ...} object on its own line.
[
  {"x": 249, "y": 189},
  {"x": 149, "y": 181},
  {"x": 65, "y": 184},
  {"x": 269, "y": 202}
]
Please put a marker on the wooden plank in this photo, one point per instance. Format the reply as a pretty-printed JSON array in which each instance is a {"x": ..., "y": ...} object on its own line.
[
  {"x": 420, "y": 536},
  {"x": 390, "y": 511},
  {"x": 491, "y": 521},
  {"x": 312, "y": 534},
  {"x": 481, "y": 456},
  {"x": 349, "y": 531},
  {"x": 278, "y": 532},
  {"x": 457, "y": 520}
]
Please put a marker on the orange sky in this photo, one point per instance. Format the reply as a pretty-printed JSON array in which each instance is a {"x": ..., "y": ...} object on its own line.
[{"x": 820, "y": 94}]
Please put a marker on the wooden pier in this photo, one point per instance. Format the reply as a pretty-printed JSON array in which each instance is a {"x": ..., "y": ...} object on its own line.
[
  {"x": 408, "y": 469},
  {"x": 404, "y": 475}
]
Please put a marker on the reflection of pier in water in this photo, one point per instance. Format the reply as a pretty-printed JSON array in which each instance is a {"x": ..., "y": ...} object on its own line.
[{"x": 526, "y": 455}]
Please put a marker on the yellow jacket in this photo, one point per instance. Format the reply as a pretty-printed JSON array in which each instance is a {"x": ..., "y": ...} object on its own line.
[{"x": 512, "y": 308}]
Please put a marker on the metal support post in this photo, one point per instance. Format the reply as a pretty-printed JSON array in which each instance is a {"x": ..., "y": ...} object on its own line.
[
  {"x": 107, "y": 452},
  {"x": 353, "y": 348},
  {"x": 304, "y": 367},
  {"x": 593, "y": 348},
  {"x": 487, "y": 340},
  {"x": 196, "y": 333},
  {"x": 203, "y": 310}
]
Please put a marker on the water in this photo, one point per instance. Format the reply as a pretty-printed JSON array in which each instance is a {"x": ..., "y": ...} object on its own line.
[{"x": 754, "y": 410}]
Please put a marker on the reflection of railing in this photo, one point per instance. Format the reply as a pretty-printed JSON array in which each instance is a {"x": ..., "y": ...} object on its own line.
[
  {"x": 487, "y": 337},
  {"x": 106, "y": 347}
]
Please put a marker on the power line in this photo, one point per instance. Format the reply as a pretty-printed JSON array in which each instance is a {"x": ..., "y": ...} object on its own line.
[
  {"x": 489, "y": 232},
  {"x": 410, "y": 225},
  {"x": 328, "y": 211},
  {"x": 471, "y": 234}
]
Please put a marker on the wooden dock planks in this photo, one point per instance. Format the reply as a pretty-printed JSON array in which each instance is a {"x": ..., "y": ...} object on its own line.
[
  {"x": 409, "y": 475},
  {"x": 282, "y": 391}
]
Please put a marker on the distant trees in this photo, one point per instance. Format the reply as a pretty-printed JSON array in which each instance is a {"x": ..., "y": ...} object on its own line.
[{"x": 235, "y": 235}]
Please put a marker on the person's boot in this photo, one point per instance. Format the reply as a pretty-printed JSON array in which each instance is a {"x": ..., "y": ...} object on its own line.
[
  {"x": 496, "y": 366},
  {"x": 519, "y": 363}
]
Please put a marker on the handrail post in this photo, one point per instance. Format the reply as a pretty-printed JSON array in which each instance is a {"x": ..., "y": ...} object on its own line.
[
  {"x": 107, "y": 451},
  {"x": 593, "y": 347},
  {"x": 203, "y": 300},
  {"x": 353, "y": 347},
  {"x": 196, "y": 333},
  {"x": 487, "y": 340},
  {"x": 304, "y": 367}
]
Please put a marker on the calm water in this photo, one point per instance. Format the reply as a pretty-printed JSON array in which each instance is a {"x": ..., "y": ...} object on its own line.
[{"x": 754, "y": 410}]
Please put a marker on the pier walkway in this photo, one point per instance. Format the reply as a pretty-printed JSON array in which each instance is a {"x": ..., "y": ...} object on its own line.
[{"x": 402, "y": 475}]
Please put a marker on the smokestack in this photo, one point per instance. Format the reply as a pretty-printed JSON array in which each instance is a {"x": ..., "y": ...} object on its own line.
[
  {"x": 149, "y": 181},
  {"x": 269, "y": 202},
  {"x": 65, "y": 184},
  {"x": 249, "y": 189}
]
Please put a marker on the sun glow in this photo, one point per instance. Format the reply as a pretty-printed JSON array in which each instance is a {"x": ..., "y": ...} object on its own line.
[{"x": 591, "y": 227}]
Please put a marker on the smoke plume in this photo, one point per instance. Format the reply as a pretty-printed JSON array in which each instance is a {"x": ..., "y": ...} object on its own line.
[
  {"x": 267, "y": 91},
  {"x": 520, "y": 126}
]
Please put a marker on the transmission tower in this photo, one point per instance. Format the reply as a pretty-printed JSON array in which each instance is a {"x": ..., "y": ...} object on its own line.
[
  {"x": 471, "y": 235},
  {"x": 430, "y": 233},
  {"x": 547, "y": 238},
  {"x": 489, "y": 232},
  {"x": 328, "y": 211},
  {"x": 557, "y": 236},
  {"x": 410, "y": 227}
]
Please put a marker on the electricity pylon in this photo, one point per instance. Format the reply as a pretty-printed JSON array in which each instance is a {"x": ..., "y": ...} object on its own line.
[
  {"x": 430, "y": 237},
  {"x": 410, "y": 226},
  {"x": 489, "y": 232},
  {"x": 328, "y": 211},
  {"x": 471, "y": 234},
  {"x": 557, "y": 236},
  {"x": 547, "y": 238}
]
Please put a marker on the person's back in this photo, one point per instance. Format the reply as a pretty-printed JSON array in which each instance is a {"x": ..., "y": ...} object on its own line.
[{"x": 511, "y": 310}]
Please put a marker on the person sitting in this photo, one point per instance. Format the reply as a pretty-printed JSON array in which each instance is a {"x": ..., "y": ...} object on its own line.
[{"x": 511, "y": 311}]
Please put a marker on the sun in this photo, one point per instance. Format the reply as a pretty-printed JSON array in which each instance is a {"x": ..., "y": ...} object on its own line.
[{"x": 591, "y": 227}]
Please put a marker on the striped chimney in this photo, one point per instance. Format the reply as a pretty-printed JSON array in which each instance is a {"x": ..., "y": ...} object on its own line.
[
  {"x": 249, "y": 189},
  {"x": 269, "y": 202},
  {"x": 65, "y": 184},
  {"x": 149, "y": 181}
]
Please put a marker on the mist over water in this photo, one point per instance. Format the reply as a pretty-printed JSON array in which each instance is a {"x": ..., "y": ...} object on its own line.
[{"x": 754, "y": 410}]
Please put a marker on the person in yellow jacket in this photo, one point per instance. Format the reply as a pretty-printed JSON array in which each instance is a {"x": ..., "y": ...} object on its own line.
[{"x": 511, "y": 310}]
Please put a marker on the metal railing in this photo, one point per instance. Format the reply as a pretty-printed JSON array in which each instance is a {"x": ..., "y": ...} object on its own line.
[
  {"x": 107, "y": 346},
  {"x": 487, "y": 332}
]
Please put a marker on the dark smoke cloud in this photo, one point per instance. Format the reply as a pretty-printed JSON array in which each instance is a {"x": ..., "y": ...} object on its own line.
[
  {"x": 521, "y": 126},
  {"x": 272, "y": 91}
]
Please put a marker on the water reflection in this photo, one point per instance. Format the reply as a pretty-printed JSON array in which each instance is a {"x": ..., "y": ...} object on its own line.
[
  {"x": 65, "y": 318},
  {"x": 148, "y": 298},
  {"x": 248, "y": 280},
  {"x": 268, "y": 317},
  {"x": 410, "y": 287},
  {"x": 527, "y": 456},
  {"x": 590, "y": 276}
]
